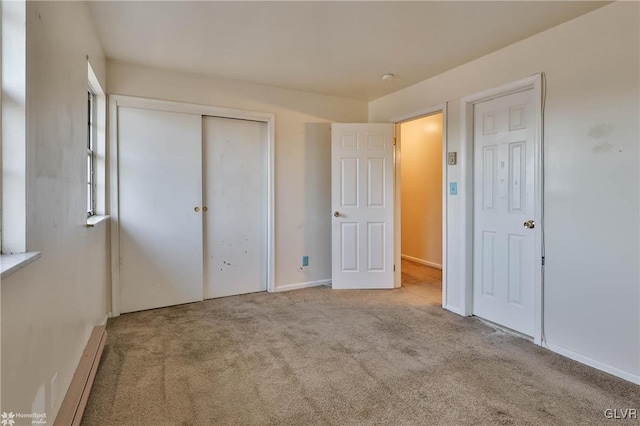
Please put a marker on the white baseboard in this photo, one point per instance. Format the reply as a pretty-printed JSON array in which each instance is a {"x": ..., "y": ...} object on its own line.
[
  {"x": 106, "y": 317},
  {"x": 454, "y": 309},
  {"x": 421, "y": 261},
  {"x": 296, "y": 286},
  {"x": 633, "y": 378}
]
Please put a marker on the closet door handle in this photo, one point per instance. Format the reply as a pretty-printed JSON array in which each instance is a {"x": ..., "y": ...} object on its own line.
[
  {"x": 196, "y": 209},
  {"x": 204, "y": 209}
]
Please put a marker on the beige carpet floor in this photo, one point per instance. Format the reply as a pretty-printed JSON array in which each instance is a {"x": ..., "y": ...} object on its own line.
[{"x": 326, "y": 357}]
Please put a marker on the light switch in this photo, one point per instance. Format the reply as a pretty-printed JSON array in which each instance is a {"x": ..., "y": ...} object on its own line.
[
  {"x": 452, "y": 158},
  {"x": 453, "y": 188}
]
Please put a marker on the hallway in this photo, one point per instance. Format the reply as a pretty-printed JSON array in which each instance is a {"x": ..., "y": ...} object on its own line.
[{"x": 423, "y": 281}]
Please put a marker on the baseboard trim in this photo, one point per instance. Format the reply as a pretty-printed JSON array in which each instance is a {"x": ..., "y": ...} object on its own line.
[
  {"x": 296, "y": 286},
  {"x": 77, "y": 395},
  {"x": 454, "y": 309},
  {"x": 633, "y": 378},
  {"x": 421, "y": 261}
]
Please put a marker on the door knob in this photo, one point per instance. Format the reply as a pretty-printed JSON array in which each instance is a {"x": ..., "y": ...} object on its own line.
[
  {"x": 530, "y": 224},
  {"x": 204, "y": 209},
  {"x": 196, "y": 209},
  {"x": 336, "y": 214}
]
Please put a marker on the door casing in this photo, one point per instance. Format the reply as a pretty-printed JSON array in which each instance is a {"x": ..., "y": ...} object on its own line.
[
  {"x": 116, "y": 101},
  {"x": 465, "y": 191}
]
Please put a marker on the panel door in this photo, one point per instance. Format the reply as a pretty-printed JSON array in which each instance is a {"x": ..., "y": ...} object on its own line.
[
  {"x": 504, "y": 201},
  {"x": 236, "y": 189},
  {"x": 160, "y": 181},
  {"x": 362, "y": 206}
]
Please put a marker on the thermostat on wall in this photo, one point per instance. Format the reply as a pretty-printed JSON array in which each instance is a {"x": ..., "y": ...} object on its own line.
[{"x": 452, "y": 158}]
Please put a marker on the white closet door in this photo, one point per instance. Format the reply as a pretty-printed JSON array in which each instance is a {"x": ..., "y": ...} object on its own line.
[
  {"x": 160, "y": 181},
  {"x": 504, "y": 206},
  {"x": 235, "y": 164}
]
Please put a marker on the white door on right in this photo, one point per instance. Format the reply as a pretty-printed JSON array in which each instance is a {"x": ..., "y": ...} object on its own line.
[{"x": 504, "y": 245}]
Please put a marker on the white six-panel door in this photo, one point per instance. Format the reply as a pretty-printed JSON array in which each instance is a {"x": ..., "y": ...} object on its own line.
[
  {"x": 160, "y": 232},
  {"x": 504, "y": 258},
  {"x": 362, "y": 206},
  {"x": 236, "y": 187}
]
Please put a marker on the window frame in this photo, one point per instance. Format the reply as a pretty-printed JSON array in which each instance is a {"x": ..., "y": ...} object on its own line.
[
  {"x": 13, "y": 154},
  {"x": 91, "y": 153},
  {"x": 13, "y": 100},
  {"x": 97, "y": 131}
]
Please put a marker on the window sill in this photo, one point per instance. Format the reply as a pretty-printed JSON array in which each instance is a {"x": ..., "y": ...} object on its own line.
[
  {"x": 96, "y": 219},
  {"x": 10, "y": 263}
]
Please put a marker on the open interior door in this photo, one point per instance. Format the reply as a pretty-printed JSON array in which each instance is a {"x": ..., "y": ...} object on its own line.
[{"x": 362, "y": 206}]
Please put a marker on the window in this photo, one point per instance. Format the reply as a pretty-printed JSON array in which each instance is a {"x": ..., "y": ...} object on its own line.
[
  {"x": 91, "y": 155},
  {"x": 96, "y": 150},
  {"x": 13, "y": 161},
  {"x": 13, "y": 134}
]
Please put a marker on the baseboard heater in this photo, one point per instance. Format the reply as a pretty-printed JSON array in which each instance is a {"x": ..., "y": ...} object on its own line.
[{"x": 77, "y": 395}]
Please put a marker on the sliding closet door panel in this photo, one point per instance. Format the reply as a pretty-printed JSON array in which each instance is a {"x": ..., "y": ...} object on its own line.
[
  {"x": 160, "y": 172},
  {"x": 235, "y": 180}
]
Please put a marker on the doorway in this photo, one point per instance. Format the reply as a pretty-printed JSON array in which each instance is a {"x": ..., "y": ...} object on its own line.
[
  {"x": 502, "y": 152},
  {"x": 504, "y": 234},
  {"x": 421, "y": 195}
]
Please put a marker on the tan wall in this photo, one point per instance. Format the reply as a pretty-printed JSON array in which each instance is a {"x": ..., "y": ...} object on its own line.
[
  {"x": 51, "y": 305},
  {"x": 421, "y": 194},
  {"x": 591, "y": 174}
]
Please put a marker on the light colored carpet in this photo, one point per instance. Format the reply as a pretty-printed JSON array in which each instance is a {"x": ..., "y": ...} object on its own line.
[{"x": 322, "y": 356}]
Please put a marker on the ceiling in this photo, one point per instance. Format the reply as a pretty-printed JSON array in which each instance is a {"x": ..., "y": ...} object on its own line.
[{"x": 326, "y": 47}]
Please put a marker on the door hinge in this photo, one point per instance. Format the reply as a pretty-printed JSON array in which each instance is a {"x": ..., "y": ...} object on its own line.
[
  {"x": 542, "y": 260},
  {"x": 394, "y": 140},
  {"x": 394, "y": 268}
]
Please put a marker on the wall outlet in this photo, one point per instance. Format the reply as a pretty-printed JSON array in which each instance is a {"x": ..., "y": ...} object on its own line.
[
  {"x": 54, "y": 389},
  {"x": 305, "y": 260}
]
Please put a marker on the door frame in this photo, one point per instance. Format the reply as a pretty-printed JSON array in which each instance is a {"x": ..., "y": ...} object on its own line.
[
  {"x": 465, "y": 191},
  {"x": 116, "y": 101},
  {"x": 397, "y": 232}
]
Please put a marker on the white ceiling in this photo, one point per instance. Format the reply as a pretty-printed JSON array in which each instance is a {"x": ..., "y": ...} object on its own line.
[{"x": 333, "y": 48}]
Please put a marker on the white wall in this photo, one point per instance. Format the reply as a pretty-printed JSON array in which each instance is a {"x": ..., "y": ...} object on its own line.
[
  {"x": 302, "y": 153},
  {"x": 50, "y": 307},
  {"x": 421, "y": 181},
  {"x": 591, "y": 309}
]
